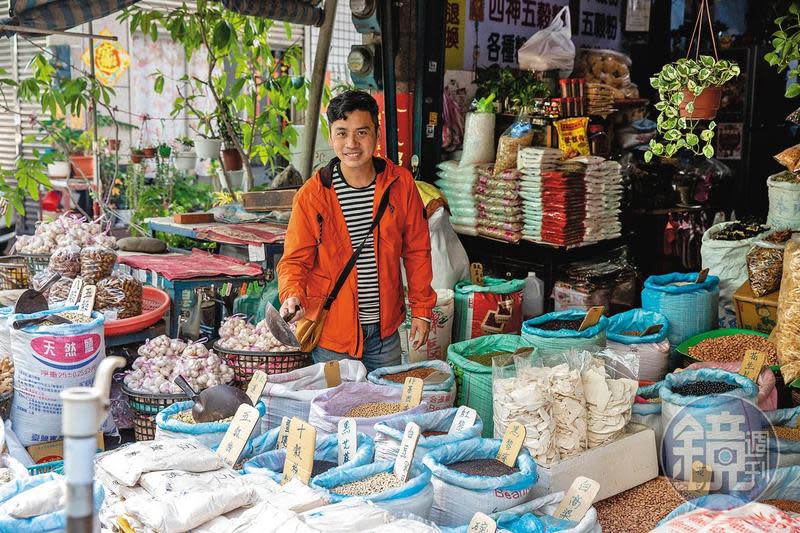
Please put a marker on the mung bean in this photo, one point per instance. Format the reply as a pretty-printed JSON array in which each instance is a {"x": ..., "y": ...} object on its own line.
[
  {"x": 371, "y": 409},
  {"x": 373, "y": 484}
]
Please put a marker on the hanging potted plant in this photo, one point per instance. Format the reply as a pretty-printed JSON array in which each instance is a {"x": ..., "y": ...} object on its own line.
[
  {"x": 137, "y": 155},
  {"x": 164, "y": 150},
  {"x": 149, "y": 152},
  {"x": 113, "y": 145},
  {"x": 689, "y": 92},
  {"x": 185, "y": 157},
  {"x": 231, "y": 157}
]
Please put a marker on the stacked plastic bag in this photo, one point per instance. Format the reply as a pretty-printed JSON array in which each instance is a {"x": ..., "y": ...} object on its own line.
[
  {"x": 499, "y": 205},
  {"x": 458, "y": 184},
  {"x": 603, "y": 182},
  {"x": 532, "y": 162}
]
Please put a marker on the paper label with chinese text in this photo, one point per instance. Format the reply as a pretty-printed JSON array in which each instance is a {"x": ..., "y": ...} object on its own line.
[
  {"x": 347, "y": 436},
  {"x": 578, "y": 500},
  {"x": 412, "y": 393},
  {"x": 512, "y": 443},
  {"x": 75, "y": 291},
  {"x": 752, "y": 363},
  {"x": 235, "y": 439},
  {"x": 86, "y": 304},
  {"x": 299, "y": 451},
  {"x": 405, "y": 455},
  {"x": 283, "y": 434},
  {"x": 256, "y": 386},
  {"x": 481, "y": 523},
  {"x": 465, "y": 418}
]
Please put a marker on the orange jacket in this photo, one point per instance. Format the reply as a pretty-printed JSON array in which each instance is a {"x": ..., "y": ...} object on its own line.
[{"x": 317, "y": 247}]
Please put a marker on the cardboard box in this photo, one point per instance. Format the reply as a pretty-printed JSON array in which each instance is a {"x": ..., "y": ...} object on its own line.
[
  {"x": 618, "y": 466},
  {"x": 54, "y": 450},
  {"x": 752, "y": 312}
]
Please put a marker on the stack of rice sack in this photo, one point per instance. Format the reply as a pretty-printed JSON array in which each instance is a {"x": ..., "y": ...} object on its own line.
[
  {"x": 499, "y": 205},
  {"x": 531, "y": 163},
  {"x": 603, "y": 183},
  {"x": 458, "y": 184}
]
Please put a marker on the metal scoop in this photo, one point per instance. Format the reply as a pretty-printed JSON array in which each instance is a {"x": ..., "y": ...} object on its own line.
[
  {"x": 280, "y": 328},
  {"x": 32, "y": 300},
  {"x": 215, "y": 403}
]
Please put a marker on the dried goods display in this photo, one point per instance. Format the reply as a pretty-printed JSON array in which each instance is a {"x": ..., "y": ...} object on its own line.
[
  {"x": 639, "y": 508},
  {"x": 737, "y": 231},
  {"x": 187, "y": 417},
  {"x": 555, "y": 325},
  {"x": 66, "y": 260},
  {"x": 238, "y": 334},
  {"x": 372, "y": 409},
  {"x": 373, "y": 484},
  {"x": 733, "y": 347},
  {"x": 401, "y": 377},
  {"x": 97, "y": 262},
  {"x": 6, "y": 375},
  {"x": 74, "y": 317},
  {"x": 608, "y": 405},
  {"x": 59, "y": 291},
  {"x": 789, "y": 158},
  {"x": 787, "y": 334},
  {"x": 66, "y": 229},
  {"x": 120, "y": 294},
  {"x": 162, "y": 359},
  {"x": 608, "y": 67},
  {"x": 703, "y": 388},
  {"x": 483, "y": 467}
]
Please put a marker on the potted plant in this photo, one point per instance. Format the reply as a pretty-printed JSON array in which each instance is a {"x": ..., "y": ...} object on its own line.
[
  {"x": 689, "y": 91},
  {"x": 185, "y": 157},
  {"x": 113, "y": 145},
  {"x": 137, "y": 154},
  {"x": 164, "y": 150},
  {"x": 60, "y": 168},
  {"x": 149, "y": 152},
  {"x": 785, "y": 50}
]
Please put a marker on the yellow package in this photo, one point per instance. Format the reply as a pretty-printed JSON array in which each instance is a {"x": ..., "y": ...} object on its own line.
[{"x": 572, "y": 137}]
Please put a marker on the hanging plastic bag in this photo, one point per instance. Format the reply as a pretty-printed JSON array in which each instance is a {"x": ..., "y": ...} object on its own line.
[
  {"x": 327, "y": 449},
  {"x": 551, "y": 48},
  {"x": 494, "y": 307},
  {"x": 448, "y": 257}
]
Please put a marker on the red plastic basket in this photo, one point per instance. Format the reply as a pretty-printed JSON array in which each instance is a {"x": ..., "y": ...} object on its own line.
[{"x": 155, "y": 304}]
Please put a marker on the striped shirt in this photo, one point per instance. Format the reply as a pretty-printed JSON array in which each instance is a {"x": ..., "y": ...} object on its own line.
[{"x": 356, "y": 204}]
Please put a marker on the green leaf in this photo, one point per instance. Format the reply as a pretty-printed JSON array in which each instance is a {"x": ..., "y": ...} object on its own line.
[
  {"x": 672, "y": 135},
  {"x": 671, "y": 149},
  {"x": 692, "y": 139},
  {"x": 648, "y": 156},
  {"x": 793, "y": 90},
  {"x": 158, "y": 86},
  {"x": 677, "y": 98},
  {"x": 793, "y": 9},
  {"x": 236, "y": 90},
  {"x": 708, "y": 151},
  {"x": 706, "y": 135},
  {"x": 712, "y": 125},
  {"x": 222, "y": 35},
  {"x": 690, "y": 107},
  {"x": 658, "y": 149},
  {"x": 704, "y": 74},
  {"x": 707, "y": 61}
]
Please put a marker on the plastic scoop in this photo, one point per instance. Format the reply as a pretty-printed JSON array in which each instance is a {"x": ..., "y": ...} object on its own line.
[
  {"x": 280, "y": 328},
  {"x": 215, "y": 403},
  {"x": 32, "y": 300}
]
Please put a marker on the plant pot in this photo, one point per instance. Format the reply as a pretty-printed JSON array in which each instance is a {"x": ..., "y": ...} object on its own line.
[
  {"x": 231, "y": 159},
  {"x": 236, "y": 177},
  {"x": 149, "y": 153},
  {"x": 706, "y": 103},
  {"x": 58, "y": 170},
  {"x": 136, "y": 158},
  {"x": 185, "y": 160},
  {"x": 82, "y": 166},
  {"x": 113, "y": 144},
  {"x": 207, "y": 148},
  {"x": 164, "y": 151}
]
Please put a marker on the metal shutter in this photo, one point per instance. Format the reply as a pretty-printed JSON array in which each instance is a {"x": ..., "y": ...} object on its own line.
[{"x": 9, "y": 140}]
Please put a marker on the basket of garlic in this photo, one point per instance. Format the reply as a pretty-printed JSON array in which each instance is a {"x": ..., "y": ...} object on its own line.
[
  {"x": 248, "y": 348},
  {"x": 150, "y": 387}
]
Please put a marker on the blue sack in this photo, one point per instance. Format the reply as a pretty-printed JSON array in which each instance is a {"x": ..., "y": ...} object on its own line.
[
  {"x": 636, "y": 320},
  {"x": 783, "y": 485},
  {"x": 457, "y": 496},
  {"x": 415, "y": 496},
  {"x": 690, "y": 309},
  {"x": 562, "y": 340},
  {"x": 376, "y": 376},
  {"x": 327, "y": 449},
  {"x": 56, "y": 521},
  {"x": 788, "y": 450},
  {"x": 389, "y": 434},
  {"x": 649, "y": 414},
  {"x": 208, "y": 433}
]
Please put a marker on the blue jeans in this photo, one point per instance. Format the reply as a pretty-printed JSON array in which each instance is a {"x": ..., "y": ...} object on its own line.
[{"x": 377, "y": 352}]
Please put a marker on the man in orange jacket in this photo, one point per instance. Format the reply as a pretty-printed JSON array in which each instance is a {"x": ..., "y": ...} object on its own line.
[{"x": 331, "y": 215}]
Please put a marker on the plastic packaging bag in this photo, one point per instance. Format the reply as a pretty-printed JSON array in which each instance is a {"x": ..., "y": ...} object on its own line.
[
  {"x": 608, "y": 405},
  {"x": 494, "y": 307},
  {"x": 59, "y": 292},
  {"x": 208, "y": 433},
  {"x": 558, "y": 341},
  {"x": 441, "y": 332},
  {"x": 517, "y": 135},
  {"x": 649, "y": 413},
  {"x": 97, "y": 262},
  {"x": 788, "y": 450},
  {"x": 789, "y": 158},
  {"x": 767, "y": 399},
  {"x": 787, "y": 333},
  {"x": 478, "y": 139},
  {"x": 290, "y": 394},
  {"x": 437, "y": 396},
  {"x": 573, "y": 136},
  {"x": 119, "y": 296},
  {"x": 415, "y": 496},
  {"x": 551, "y": 48},
  {"x": 784, "y": 202},
  {"x": 765, "y": 267},
  {"x": 448, "y": 257},
  {"x": 458, "y": 496},
  {"x": 651, "y": 351},
  {"x": 331, "y": 406},
  {"x": 66, "y": 260},
  {"x": 690, "y": 307},
  {"x": 389, "y": 434},
  {"x": 327, "y": 449}
]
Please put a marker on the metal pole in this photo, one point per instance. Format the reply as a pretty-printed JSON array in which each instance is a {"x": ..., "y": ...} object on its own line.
[
  {"x": 98, "y": 184},
  {"x": 317, "y": 84},
  {"x": 419, "y": 88},
  {"x": 37, "y": 31},
  {"x": 389, "y": 82}
]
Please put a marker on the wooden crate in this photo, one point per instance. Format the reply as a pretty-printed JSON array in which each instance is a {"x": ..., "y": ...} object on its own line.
[
  {"x": 752, "y": 312},
  {"x": 268, "y": 200}
]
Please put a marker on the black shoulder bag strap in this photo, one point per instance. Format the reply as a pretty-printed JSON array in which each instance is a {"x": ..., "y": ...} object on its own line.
[{"x": 353, "y": 258}]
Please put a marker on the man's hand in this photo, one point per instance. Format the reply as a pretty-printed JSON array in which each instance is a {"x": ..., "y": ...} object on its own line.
[
  {"x": 292, "y": 305},
  {"x": 420, "y": 329}
]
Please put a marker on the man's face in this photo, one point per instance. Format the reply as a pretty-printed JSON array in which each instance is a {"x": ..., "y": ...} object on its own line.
[{"x": 354, "y": 139}]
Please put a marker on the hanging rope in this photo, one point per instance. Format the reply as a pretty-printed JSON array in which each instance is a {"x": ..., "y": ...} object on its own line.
[{"x": 703, "y": 12}]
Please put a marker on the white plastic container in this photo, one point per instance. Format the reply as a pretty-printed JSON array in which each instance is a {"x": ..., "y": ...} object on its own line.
[{"x": 532, "y": 297}]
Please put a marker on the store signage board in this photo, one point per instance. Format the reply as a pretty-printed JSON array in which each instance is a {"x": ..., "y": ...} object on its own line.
[
  {"x": 511, "y": 445},
  {"x": 283, "y": 434},
  {"x": 75, "y": 291},
  {"x": 578, "y": 499},
  {"x": 299, "y": 451},
  {"x": 481, "y": 523},
  {"x": 238, "y": 434},
  {"x": 333, "y": 374},
  {"x": 752, "y": 363},
  {"x": 412, "y": 394},
  {"x": 405, "y": 456},
  {"x": 86, "y": 305},
  {"x": 256, "y": 386},
  {"x": 465, "y": 418},
  {"x": 347, "y": 436},
  {"x": 592, "y": 317}
]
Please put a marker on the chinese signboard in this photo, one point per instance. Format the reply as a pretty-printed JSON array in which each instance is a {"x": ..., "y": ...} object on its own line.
[{"x": 486, "y": 32}]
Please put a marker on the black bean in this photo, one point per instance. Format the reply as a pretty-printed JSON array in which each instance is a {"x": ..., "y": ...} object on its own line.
[
  {"x": 702, "y": 388},
  {"x": 554, "y": 325},
  {"x": 320, "y": 467},
  {"x": 483, "y": 467}
]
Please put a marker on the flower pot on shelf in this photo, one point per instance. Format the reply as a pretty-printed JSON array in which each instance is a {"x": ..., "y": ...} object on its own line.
[
  {"x": 113, "y": 144},
  {"x": 185, "y": 160},
  {"x": 164, "y": 151},
  {"x": 207, "y": 148},
  {"x": 706, "y": 103},
  {"x": 236, "y": 177},
  {"x": 231, "y": 159},
  {"x": 58, "y": 170},
  {"x": 82, "y": 166},
  {"x": 136, "y": 158},
  {"x": 149, "y": 153}
]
